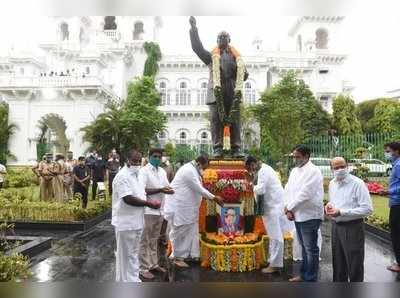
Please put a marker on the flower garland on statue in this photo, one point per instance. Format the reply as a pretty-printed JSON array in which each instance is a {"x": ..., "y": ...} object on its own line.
[{"x": 227, "y": 119}]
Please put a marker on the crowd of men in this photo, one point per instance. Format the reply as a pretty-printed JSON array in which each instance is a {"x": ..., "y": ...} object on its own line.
[
  {"x": 63, "y": 178},
  {"x": 146, "y": 205}
]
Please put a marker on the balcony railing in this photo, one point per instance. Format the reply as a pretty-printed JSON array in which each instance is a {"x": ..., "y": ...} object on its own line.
[{"x": 56, "y": 81}]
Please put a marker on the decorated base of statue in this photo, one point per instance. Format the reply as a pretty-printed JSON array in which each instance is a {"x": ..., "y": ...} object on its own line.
[{"x": 233, "y": 237}]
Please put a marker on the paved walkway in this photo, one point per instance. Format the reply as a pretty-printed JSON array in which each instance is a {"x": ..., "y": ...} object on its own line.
[{"x": 90, "y": 256}]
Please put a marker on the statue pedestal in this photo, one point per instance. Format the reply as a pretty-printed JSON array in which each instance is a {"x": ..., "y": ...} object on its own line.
[{"x": 232, "y": 238}]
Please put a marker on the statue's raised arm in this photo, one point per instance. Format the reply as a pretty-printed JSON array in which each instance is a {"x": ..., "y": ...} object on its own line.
[{"x": 197, "y": 46}]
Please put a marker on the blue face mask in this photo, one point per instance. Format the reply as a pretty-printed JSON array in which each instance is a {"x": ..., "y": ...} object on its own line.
[{"x": 155, "y": 162}]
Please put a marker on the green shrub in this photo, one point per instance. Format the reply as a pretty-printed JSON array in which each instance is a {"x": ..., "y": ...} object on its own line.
[
  {"x": 22, "y": 177},
  {"x": 14, "y": 267},
  {"x": 378, "y": 222},
  {"x": 23, "y": 204}
]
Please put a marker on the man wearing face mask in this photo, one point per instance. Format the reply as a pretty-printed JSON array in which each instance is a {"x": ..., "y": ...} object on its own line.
[
  {"x": 349, "y": 203},
  {"x": 269, "y": 186},
  {"x": 392, "y": 154},
  {"x": 303, "y": 197},
  {"x": 128, "y": 202},
  {"x": 154, "y": 179},
  {"x": 181, "y": 209}
]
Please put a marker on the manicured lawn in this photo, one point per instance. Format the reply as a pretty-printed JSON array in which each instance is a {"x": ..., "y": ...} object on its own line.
[{"x": 381, "y": 207}]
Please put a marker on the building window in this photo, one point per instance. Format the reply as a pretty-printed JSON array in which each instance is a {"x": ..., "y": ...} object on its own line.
[
  {"x": 321, "y": 38},
  {"x": 162, "y": 138},
  {"x": 165, "y": 99},
  {"x": 202, "y": 94},
  {"x": 183, "y": 95},
  {"x": 323, "y": 71},
  {"x": 21, "y": 71},
  {"x": 204, "y": 138},
  {"x": 269, "y": 79},
  {"x": 87, "y": 69},
  {"x": 324, "y": 100},
  {"x": 299, "y": 43},
  {"x": 182, "y": 138},
  {"x": 109, "y": 23},
  {"x": 138, "y": 31},
  {"x": 249, "y": 94},
  {"x": 64, "y": 31}
]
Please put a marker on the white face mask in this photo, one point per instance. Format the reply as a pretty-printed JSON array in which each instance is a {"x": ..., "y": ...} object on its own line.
[{"x": 340, "y": 174}]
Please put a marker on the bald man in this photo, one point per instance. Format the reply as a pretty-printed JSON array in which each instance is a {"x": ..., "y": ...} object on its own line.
[{"x": 349, "y": 203}]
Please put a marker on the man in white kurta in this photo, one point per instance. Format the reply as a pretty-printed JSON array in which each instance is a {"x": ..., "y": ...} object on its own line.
[
  {"x": 155, "y": 180},
  {"x": 303, "y": 196},
  {"x": 128, "y": 202},
  {"x": 269, "y": 186},
  {"x": 182, "y": 208}
]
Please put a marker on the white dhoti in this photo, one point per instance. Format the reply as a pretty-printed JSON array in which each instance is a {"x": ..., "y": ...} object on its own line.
[
  {"x": 127, "y": 255},
  {"x": 184, "y": 238},
  {"x": 273, "y": 227}
]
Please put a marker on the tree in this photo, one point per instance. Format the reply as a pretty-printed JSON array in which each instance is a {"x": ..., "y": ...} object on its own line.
[
  {"x": 153, "y": 52},
  {"x": 365, "y": 113},
  {"x": 385, "y": 115},
  {"x": 344, "y": 116},
  {"x": 132, "y": 123},
  {"x": 288, "y": 113},
  {"x": 6, "y": 131}
]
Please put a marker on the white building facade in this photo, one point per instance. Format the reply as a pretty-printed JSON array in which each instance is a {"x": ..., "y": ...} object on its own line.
[{"x": 95, "y": 58}]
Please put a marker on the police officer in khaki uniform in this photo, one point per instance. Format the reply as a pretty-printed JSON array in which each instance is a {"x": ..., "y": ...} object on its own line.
[{"x": 46, "y": 178}]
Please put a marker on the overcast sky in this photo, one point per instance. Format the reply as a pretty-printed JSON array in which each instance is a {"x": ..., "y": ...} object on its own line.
[{"x": 371, "y": 42}]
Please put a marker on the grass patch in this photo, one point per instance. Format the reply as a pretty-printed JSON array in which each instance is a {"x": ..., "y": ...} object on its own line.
[{"x": 381, "y": 206}]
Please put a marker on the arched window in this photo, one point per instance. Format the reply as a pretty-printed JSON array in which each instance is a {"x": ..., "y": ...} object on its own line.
[
  {"x": 269, "y": 79},
  {"x": 138, "y": 30},
  {"x": 204, "y": 138},
  {"x": 249, "y": 93},
  {"x": 165, "y": 99},
  {"x": 109, "y": 23},
  {"x": 182, "y": 137},
  {"x": 299, "y": 43},
  {"x": 64, "y": 31},
  {"x": 202, "y": 94},
  {"x": 162, "y": 138},
  {"x": 321, "y": 38},
  {"x": 183, "y": 94}
]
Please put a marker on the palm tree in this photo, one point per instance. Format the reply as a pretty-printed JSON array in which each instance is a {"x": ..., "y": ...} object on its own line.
[{"x": 6, "y": 131}]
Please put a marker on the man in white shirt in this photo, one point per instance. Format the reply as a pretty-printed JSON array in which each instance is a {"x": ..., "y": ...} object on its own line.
[
  {"x": 304, "y": 193},
  {"x": 128, "y": 202},
  {"x": 154, "y": 178},
  {"x": 349, "y": 203},
  {"x": 3, "y": 172},
  {"x": 269, "y": 186},
  {"x": 182, "y": 208}
]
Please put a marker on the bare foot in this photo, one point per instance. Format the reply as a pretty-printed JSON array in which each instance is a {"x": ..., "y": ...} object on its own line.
[{"x": 296, "y": 279}]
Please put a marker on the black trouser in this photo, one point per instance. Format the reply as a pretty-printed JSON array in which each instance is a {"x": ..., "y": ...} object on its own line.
[
  {"x": 1, "y": 185},
  {"x": 84, "y": 192},
  {"x": 348, "y": 251},
  {"x": 394, "y": 223},
  {"x": 94, "y": 188},
  {"x": 111, "y": 177}
]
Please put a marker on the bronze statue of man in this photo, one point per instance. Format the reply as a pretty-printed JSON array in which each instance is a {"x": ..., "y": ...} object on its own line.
[{"x": 223, "y": 97}]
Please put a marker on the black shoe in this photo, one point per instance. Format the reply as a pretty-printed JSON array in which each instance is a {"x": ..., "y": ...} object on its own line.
[
  {"x": 237, "y": 153},
  {"x": 217, "y": 153}
]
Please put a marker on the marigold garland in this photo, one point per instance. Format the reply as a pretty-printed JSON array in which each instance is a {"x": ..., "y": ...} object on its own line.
[{"x": 216, "y": 74}]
